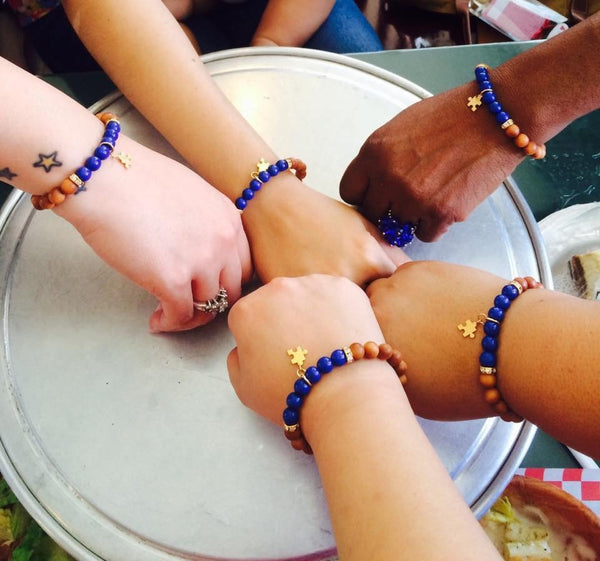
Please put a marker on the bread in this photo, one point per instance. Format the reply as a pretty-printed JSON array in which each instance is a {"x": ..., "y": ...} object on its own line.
[
  {"x": 585, "y": 272},
  {"x": 536, "y": 521}
]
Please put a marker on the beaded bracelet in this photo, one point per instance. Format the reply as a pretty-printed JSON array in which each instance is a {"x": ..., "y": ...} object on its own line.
[
  {"x": 489, "y": 344},
  {"x": 309, "y": 377},
  {"x": 263, "y": 173},
  {"x": 75, "y": 183},
  {"x": 486, "y": 95}
]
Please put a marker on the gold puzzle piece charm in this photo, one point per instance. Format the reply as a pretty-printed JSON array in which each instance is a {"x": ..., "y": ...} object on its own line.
[
  {"x": 298, "y": 355},
  {"x": 262, "y": 165},
  {"x": 474, "y": 102},
  {"x": 468, "y": 328},
  {"x": 125, "y": 159}
]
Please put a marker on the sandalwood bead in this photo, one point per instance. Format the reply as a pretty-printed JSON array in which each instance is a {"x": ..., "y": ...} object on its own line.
[
  {"x": 56, "y": 196},
  {"x": 298, "y": 443},
  {"x": 105, "y": 117},
  {"x": 403, "y": 379},
  {"x": 371, "y": 349},
  {"x": 35, "y": 201},
  {"x": 512, "y": 131},
  {"x": 68, "y": 187},
  {"x": 385, "y": 351},
  {"x": 299, "y": 167},
  {"x": 540, "y": 153},
  {"x": 358, "y": 351},
  {"x": 501, "y": 407},
  {"x": 531, "y": 148},
  {"x": 487, "y": 380},
  {"x": 522, "y": 140},
  {"x": 491, "y": 396},
  {"x": 395, "y": 359},
  {"x": 46, "y": 203}
]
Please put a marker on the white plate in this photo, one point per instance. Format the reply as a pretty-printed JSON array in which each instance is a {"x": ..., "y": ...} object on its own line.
[{"x": 567, "y": 232}]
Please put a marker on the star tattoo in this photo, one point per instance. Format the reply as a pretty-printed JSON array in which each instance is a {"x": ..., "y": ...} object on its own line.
[
  {"x": 47, "y": 161},
  {"x": 7, "y": 174}
]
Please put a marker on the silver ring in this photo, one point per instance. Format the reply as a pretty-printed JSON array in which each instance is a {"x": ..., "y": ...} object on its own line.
[{"x": 218, "y": 304}]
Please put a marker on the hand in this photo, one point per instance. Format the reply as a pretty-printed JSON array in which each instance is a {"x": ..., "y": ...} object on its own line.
[
  {"x": 166, "y": 229},
  {"x": 320, "y": 313},
  {"x": 419, "y": 309},
  {"x": 432, "y": 164},
  {"x": 294, "y": 231}
]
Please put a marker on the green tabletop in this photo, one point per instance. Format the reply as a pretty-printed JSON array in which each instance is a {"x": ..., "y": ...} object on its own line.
[{"x": 570, "y": 173}]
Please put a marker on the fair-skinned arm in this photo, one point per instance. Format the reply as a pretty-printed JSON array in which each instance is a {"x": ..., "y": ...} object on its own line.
[
  {"x": 164, "y": 78},
  {"x": 436, "y": 160},
  {"x": 377, "y": 466},
  {"x": 288, "y": 23},
  {"x": 178, "y": 244},
  {"x": 548, "y": 353}
]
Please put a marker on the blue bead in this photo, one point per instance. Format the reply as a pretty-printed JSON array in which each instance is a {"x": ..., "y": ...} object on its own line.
[
  {"x": 83, "y": 173},
  {"x": 510, "y": 291},
  {"x": 273, "y": 170},
  {"x": 324, "y": 365},
  {"x": 488, "y": 97},
  {"x": 495, "y": 107},
  {"x": 312, "y": 374},
  {"x": 489, "y": 344},
  {"x": 93, "y": 163},
  {"x": 338, "y": 357},
  {"x": 496, "y": 313},
  {"x": 291, "y": 416},
  {"x": 102, "y": 152},
  {"x": 113, "y": 126},
  {"x": 481, "y": 71},
  {"x": 110, "y": 137},
  {"x": 248, "y": 194},
  {"x": 485, "y": 85},
  {"x": 502, "y": 302},
  {"x": 487, "y": 359},
  {"x": 255, "y": 185},
  {"x": 294, "y": 400},
  {"x": 491, "y": 328},
  {"x": 502, "y": 117},
  {"x": 264, "y": 176},
  {"x": 241, "y": 203},
  {"x": 301, "y": 387},
  {"x": 282, "y": 165}
]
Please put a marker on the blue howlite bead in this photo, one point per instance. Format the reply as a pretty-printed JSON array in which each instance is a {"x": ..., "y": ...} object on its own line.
[
  {"x": 488, "y": 97},
  {"x": 83, "y": 173},
  {"x": 264, "y": 176},
  {"x": 495, "y": 107},
  {"x": 113, "y": 126},
  {"x": 324, "y": 365},
  {"x": 102, "y": 152},
  {"x": 338, "y": 357},
  {"x": 496, "y": 313},
  {"x": 510, "y": 291},
  {"x": 485, "y": 85},
  {"x": 282, "y": 165},
  {"x": 502, "y": 302},
  {"x": 312, "y": 374},
  {"x": 255, "y": 185},
  {"x": 502, "y": 117},
  {"x": 273, "y": 170},
  {"x": 294, "y": 400},
  {"x": 241, "y": 203},
  {"x": 93, "y": 163},
  {"x": 291, "y": 416},
  {"x": 487, "y": 359},
  {"x": 489, "y": 344},
  {"x": 492, "y": 329},
  {"x": 248, "y": 194},
  {"x": 301, "y": 387},
  {"x": 481, "y": 71},
  {"x": 110, "y": 136}
]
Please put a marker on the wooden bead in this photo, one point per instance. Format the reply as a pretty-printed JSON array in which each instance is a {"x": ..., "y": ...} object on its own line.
[
  {"x": 299, "y": 167},
  {"x": 395, "y": 359},
  {"x": 35, "y": 201},
  {"x": 371, "y": 349},
  {"x": 512, "y": 131},
  {"x": 56, "y": 196},
  {"x": 491, "y": 396},
  {"x": 385, "y": 351},
  {"x": 522, "y": 140},
  {"x": 487, "y": 380},
  {"x": 403, "y": 379},
  {"x": 531, "y": 148},
  {"x": 298, "y": 443},
  {"x": 68, "y": 187},
  {"x": 540, "y": 153},
  {"x": 105, "y": 117},
  {"x": 46, "y": 203},
  {"x": 358, "y": 351},
  {"x": 500, "y": 407}
]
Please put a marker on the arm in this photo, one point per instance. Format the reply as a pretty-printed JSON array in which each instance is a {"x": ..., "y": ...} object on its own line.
[
  {"x": 179, "y": 247},
  {"x": 547, "y": 359},
  {"x": 165, "y": 79},
  {"x": 288, "y": 23},
  {"x": 377, "y": 475},
  {"x": 436, "y": 161}
]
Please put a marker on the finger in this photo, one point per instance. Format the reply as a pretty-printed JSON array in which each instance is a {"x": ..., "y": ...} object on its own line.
[
  {"x": 245, "y": 257},
  {"x": 430, "y": 230},
  {"x": 233, "y": 367},
  {"x": 174, "y": 311},
  {"x": 354, "y": 182}
]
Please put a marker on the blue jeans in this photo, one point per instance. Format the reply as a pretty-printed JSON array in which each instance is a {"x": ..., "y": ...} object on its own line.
[{"x": 232, "y": 25}]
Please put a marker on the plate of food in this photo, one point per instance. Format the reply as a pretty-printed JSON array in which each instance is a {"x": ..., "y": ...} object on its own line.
[
  {"x": 572, "y": 239},
  {"x": 534, "y": 520}
]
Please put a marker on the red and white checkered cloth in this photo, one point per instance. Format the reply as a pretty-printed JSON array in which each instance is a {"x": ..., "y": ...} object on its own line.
[{"x": 583, "y": 484}]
